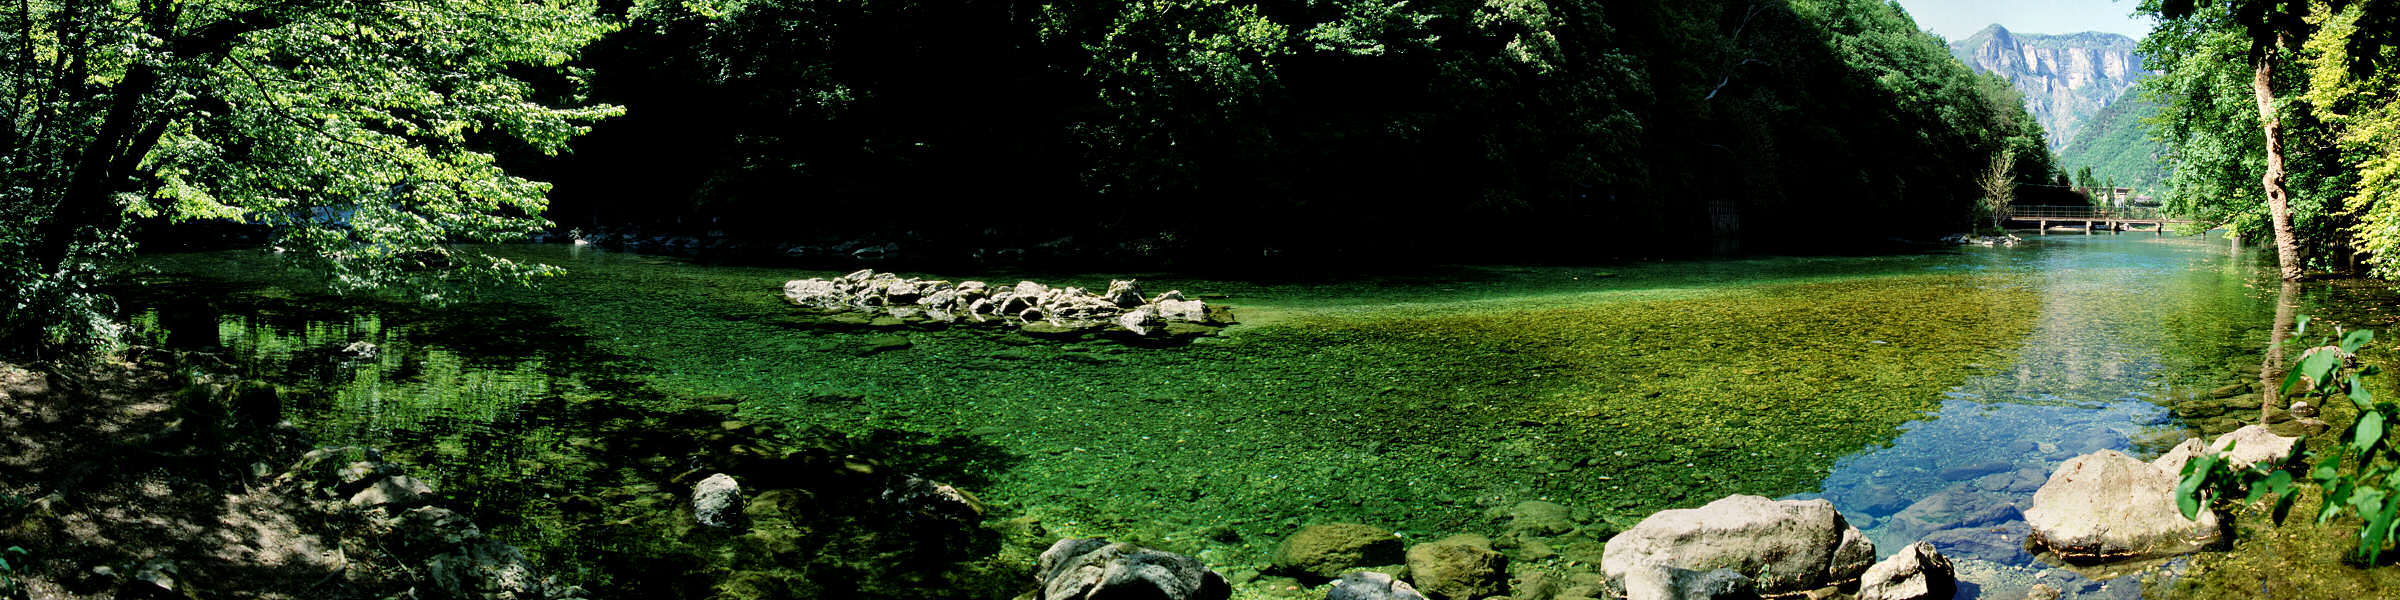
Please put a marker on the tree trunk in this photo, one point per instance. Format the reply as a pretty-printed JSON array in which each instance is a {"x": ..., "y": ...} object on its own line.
[
  {"x": 2279, "y": 201},
  {"x": 2270, "y": 371}
]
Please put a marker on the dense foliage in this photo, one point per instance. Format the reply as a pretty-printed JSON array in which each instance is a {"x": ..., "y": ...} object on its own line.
[
  {"x": 358, "y": 133},
  {"x": 367, "y": 136},
  {"x": 2327, "y": 69},
  {"x": 1511, "y": 129}
]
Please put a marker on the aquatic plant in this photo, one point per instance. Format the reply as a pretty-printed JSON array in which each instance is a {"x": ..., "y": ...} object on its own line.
[
  {"x": 8, "y": 572},
  {"x": 2369, "y": 488}
]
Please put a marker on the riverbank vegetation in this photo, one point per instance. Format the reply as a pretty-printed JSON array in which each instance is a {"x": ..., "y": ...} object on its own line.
[{"x": 2316, "y": 78}]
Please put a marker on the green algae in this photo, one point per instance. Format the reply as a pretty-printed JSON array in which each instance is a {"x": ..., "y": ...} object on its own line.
[{"x": 1419, "y": 402}]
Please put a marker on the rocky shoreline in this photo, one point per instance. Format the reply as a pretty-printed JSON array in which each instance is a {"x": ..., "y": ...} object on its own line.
[{"x": 1031, "y": 308}]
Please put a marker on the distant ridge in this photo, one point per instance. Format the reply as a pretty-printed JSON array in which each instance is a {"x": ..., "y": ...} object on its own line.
[{"x": 2067, "y": 79}]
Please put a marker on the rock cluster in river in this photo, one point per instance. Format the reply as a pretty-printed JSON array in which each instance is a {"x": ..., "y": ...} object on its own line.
[{"x": 1035, "y": 307}]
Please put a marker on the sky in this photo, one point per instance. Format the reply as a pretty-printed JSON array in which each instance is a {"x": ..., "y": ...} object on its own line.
[{"x": 1956, "y": 19}]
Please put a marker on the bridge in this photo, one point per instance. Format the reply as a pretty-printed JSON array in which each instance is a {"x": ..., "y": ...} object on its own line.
[{"x": 2092, "y": 217}]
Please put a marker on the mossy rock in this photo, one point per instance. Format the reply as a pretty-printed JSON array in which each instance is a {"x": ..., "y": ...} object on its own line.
[{"x": 1320, "y": 552}]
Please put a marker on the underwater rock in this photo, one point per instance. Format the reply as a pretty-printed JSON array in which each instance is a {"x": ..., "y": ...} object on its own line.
[
  {"x": 2303, "y": 410},
  {"x": 1324, "y": 551},
  {"x": 1460, "y": 567},
  {"x": 1786, "y": 545},
  {"x": 401, "y": 490},
  {"x": 1878, "y": 499},
  {"x": 488, "y": 570},
  {"x": 425, "y": 527},
  {"x": 1955, "y": 507},
  {"x": 2002, "y": 544},
  {"x": 1661, "y": 582},
  {"x": 2107, "y": 506},
  {"x": 1917, "y": 572},
  {"x": 918, "y": 500},
  {"x": 1963, "y": 472},
  {"x": 717, "y": 502},
  {"x": 1536, "y": 517},
  {"x": 1094, "y": 569},
  {"x": 1370, "y": 585},
  {"x": 2042, "y": 591}
]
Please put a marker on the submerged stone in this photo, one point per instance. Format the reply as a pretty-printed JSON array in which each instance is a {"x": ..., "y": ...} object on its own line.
[
  {"x": 1458, "y": 568},
  {"x": 1324, "y": 551}
]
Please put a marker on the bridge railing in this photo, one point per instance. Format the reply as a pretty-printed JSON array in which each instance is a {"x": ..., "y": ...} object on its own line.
[{"x": 2070, "y": 213}]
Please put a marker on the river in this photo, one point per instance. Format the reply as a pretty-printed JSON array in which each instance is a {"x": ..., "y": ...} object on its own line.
[{"x": 1544, "y": 408}]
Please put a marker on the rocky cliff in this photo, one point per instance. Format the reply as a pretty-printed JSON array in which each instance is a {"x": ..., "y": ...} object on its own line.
[{"x": 2066, "y": 79}]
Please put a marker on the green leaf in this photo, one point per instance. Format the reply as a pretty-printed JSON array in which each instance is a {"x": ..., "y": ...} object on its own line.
[
  {"x": 2290, "y": 378},
  {"x": 2367, "y": 432},
  {"x": 2319, "y": 366},
  {"x": 2359, "y": 396},
  {"x": 2280, "y": 482},
  {"x": 2354, "y": 340},
  {"x": 2379, "y": 512},
  {"x": 2335, "y": 499}
]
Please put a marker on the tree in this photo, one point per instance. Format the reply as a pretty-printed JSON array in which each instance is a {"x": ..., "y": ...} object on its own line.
[
  {"x": 1999, "y": 184},
  {"x": 2271, "y": 27},
  {"x": 361, "y": 133},
  {"x": 2348, "y": 58}
]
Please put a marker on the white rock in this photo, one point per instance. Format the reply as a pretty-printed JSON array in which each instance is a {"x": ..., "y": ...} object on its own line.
[
  {"x": 717, "y": 501},
  {"x": 1783, "y": 545},
  {"x": 2107, "y": 506},
  {"x": 1917, "y": 572}
]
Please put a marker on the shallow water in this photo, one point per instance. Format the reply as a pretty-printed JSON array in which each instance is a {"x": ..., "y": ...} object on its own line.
[{"x": 1432, "y": 403}]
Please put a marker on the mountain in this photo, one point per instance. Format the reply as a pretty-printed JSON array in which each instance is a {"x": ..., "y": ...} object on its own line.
[
  {"x": 2116, "y": 145},
  {"x": 2066, "y": 79}
]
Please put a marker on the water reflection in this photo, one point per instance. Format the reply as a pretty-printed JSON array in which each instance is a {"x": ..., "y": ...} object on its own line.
[{"x": 2121, "y": 335}]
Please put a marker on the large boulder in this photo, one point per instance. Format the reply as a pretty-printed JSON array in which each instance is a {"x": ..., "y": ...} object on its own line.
[
  {"x": 1783, "y": 545},
  {"x": 1917, "y": 572},
  {"x": 717, "y": 502},
  {"x": 1460, "y": 567},
  {"x": 2107, "y": 506},
  {"x": 1370, "y": 585},
  {"x": 1325, "y": 551},
  {"x": 1094, "y": 569},
  {"x": 2175, "y": 458}
]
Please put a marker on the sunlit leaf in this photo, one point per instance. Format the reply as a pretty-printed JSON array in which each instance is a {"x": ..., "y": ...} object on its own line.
[{"x": 2367, "y": 432}]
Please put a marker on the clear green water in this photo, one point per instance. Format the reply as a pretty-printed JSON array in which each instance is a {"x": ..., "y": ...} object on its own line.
[{"x": 1426, "y": 403}]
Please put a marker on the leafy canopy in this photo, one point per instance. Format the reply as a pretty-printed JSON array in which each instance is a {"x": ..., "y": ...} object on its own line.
[{"x": 362, "y": 134}]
